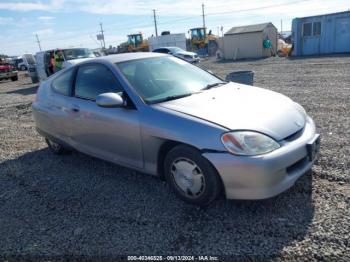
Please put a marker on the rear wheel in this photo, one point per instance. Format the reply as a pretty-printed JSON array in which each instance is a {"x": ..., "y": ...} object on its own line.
[
  {"x": 35, "y": 79},
  {"x": 55, "y": 147},
  {"x": 191, "y": 176},
  {"x": 14, "y": 78},
  {"x": 212, "y": 47}
]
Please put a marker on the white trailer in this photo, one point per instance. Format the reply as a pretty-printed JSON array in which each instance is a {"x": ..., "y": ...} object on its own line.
[
  {"x": 71, "y": 56},
  {"x": 178, "y": 40}
]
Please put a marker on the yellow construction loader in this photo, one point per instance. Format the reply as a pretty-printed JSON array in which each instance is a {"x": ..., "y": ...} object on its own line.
[
  {"x": 201, "y": 40},
  {"x": 135, "y": 43}
]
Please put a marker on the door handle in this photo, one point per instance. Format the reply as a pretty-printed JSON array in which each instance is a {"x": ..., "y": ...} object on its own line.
[{"x": 75, "y": 109}]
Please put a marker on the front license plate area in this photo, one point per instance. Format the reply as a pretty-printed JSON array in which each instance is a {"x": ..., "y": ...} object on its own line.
[{"x": 313, "y": 147}]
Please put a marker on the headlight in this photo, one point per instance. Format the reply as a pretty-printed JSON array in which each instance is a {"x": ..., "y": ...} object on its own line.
[{"x": 248, "y": 143}]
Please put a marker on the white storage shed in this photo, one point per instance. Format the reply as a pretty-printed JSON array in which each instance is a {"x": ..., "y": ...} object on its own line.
[{"x": 248, "y": 41}]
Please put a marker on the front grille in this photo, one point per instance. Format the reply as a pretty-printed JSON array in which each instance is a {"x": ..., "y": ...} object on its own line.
[{"x": 297, "y": 166}]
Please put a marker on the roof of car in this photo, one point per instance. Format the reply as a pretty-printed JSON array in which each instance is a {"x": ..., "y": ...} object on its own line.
[{"x": 128, "y": 56}]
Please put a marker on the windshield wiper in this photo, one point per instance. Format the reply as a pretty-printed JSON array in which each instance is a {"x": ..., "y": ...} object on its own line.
[
  {"x": 169, "y": 98},
  {"x": 213, "y": 85}
]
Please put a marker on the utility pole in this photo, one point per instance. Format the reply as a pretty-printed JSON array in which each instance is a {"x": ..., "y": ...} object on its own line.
[
  {"x": 155, "y": 21},
  {"x": 203, "y": 15},
  {"x": 205, "y": 31},
  {"x": 103, "y": 37},
  {"x": 281, "y": 27},
  {"x": 38, "y": 41}
]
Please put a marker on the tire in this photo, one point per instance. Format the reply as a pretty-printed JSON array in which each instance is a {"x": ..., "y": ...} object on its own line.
[
  {"x": 35, "y": 79},
  {"x": 55, "y": 147},
  {"x": 281, "y": 54},
  {"x": 201, "y": 186},
  {"x": 23, "y": 68},
  {"x": 14, "y": 78},
  {"x": 212, "y": 47}
]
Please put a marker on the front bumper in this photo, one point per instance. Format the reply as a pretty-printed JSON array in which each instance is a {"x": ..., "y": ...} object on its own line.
[
  {"x": 267, "y": 175},
  {"x": 192, "y": 60},
  {"x": 195, "y": 60},
  {"x": 6, "y": 75}
]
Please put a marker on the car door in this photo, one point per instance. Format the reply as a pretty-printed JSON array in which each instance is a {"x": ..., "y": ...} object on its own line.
[
  {"x": 109, "y": 133},
  {"x": 60, "y": 95},
  {"x": 40, "y": 65}
]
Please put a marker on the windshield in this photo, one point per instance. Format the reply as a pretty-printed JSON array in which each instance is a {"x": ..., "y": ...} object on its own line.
[
  {"x": 197, "y": 33},
  {"x": 164, "y": 78},
  {"x": 175, "y": 49},
  {"x": 134, "y": 39},
  {"x": 77, "y": 53}
]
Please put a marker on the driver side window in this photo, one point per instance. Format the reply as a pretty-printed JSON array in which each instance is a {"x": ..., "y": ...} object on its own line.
[{"x": 93, "y": 80}]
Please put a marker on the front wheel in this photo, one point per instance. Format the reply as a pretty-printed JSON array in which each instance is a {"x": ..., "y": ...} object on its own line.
[
  {"x": 55, "y": 147},
  {"x": 35, "y": 79},
  {"x": 14, "y": 78},
  {"x": 191, "y": 176}
]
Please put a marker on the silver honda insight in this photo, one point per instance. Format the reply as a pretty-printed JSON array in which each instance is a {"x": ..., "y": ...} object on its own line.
[{"x": 163, "y": 116}]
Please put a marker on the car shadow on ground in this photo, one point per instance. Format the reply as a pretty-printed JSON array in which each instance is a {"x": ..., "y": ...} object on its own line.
[
  {"x": 23, "y": 90},
  {"x": 79, "y": 205}
]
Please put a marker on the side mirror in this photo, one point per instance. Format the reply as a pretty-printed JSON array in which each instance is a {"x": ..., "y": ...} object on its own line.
[{"x": 110, "y": 100}]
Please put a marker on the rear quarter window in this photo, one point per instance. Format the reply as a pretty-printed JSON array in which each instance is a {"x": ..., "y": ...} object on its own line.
[{"x": 62, "y": 84}]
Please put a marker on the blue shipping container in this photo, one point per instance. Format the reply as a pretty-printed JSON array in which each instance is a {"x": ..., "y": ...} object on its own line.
[{"x": 323, "y": 34}]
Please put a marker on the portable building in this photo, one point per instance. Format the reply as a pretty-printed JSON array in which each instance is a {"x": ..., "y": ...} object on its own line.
[
  {"x": 322, "y": 34},
  {"x": 178, "y": 40},
  {"x": 251, "y": 41}
]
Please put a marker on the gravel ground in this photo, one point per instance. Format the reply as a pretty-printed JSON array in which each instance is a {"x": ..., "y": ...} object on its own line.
[{"x": 54, "y": 206}]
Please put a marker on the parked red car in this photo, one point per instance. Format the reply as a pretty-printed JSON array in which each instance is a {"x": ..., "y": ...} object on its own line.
[{"x": 8, "y": 72}]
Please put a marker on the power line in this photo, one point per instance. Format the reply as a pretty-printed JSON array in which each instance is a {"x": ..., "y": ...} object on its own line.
[
  {"x": 259, "y": 8},
  {"x": 170, "y": 21},
  {"x": 177, "y": 19},
  {"x": 38, "y": 41},
  {"x": 155, "y": 21},
  {"x": 281, "y": 27}
]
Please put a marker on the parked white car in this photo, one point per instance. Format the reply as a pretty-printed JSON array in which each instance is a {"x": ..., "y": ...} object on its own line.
[{"x": 178, "y": 52}]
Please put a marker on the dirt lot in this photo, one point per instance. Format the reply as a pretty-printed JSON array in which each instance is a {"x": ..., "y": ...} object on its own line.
[{"x": 77, "y": 205}]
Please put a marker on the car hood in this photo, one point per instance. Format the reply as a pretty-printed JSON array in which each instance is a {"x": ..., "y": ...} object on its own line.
[{"x": 241, "y": 107}]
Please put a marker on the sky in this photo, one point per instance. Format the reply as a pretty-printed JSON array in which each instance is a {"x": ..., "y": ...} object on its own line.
[{"x": 75, "y": 23}]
